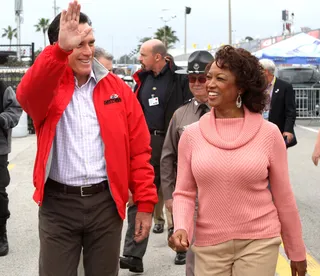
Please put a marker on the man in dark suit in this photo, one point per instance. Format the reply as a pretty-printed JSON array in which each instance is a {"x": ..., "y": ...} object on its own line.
[{"x": 282, "y": 108}]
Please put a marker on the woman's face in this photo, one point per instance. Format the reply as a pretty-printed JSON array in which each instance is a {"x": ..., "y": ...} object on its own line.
[{"x": 221, "y": 88}]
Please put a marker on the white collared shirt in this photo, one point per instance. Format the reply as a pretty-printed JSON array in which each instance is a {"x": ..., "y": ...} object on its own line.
[{"x": 78, "y": 149}]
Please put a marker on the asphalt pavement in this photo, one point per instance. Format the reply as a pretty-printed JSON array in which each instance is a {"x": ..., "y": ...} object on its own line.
[{"x": 22, "y": 259}]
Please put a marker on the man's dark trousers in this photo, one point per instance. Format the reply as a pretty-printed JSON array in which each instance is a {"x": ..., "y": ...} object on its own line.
[
  {"x": 131, "y": 248},
  {"x": 68, "y": 223},
  {"x": 4, "y": 182}
]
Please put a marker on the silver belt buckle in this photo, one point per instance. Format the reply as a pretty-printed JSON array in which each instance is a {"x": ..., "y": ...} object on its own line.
[{"x": 82, "y": 189}]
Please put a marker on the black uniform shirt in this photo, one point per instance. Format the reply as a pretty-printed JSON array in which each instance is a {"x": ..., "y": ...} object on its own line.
[{"x": 155, "y": 87}]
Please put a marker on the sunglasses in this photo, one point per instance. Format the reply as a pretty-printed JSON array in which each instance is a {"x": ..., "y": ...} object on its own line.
[{"x": 193, "y": 79}]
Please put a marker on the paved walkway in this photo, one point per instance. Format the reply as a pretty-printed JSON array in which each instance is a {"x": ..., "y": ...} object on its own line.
[{"x": 23, "y": 236}]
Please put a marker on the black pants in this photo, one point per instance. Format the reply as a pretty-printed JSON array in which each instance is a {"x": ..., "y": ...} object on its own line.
[
  {"x": 131, "y": 248},
  {"x": 156, "y": 145},
  {"x": 4, "y": 182}
]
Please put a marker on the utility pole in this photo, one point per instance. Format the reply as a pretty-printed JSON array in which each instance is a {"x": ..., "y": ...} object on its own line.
[{"x": 230, "y": 22}]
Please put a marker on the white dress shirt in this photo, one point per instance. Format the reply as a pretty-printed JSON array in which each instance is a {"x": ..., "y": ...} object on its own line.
[{"x": 78, "y": 149}]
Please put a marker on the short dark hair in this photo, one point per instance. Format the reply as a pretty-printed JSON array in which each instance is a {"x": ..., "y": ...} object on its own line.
[
  {"x": 249, "y": 75},
  {"x": 53, "y": 30}
]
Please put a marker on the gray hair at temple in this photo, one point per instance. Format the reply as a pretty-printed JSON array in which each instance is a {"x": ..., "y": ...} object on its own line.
[
  {"x": 268, "y": 64},
  {"x": 99, "y": 52}
]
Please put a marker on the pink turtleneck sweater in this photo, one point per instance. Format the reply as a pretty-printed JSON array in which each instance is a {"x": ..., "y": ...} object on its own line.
[{"x": 229, "y": 162}]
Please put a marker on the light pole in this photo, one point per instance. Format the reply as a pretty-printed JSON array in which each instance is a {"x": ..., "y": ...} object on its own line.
[
  {"x": 165, "y": 20},
  {"x": 230, "y": 22},
  {"x": 18, "y": 12},
  {"x": 186, "y": 12},
  {"x": 55, "y": 8}
]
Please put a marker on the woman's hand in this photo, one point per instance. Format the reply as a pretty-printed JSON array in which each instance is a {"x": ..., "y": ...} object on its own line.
[
  {"x": 179, "y": 241},
  {"x": 298, "y": 268}
]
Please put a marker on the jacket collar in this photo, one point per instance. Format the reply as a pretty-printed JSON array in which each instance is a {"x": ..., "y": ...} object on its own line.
[
  {"x": 141, "y": 74},
  {"x": 99, "y": 70}
]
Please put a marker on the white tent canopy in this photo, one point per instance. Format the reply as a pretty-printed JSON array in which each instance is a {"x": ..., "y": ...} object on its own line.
[{"x": 299, "y": 49}]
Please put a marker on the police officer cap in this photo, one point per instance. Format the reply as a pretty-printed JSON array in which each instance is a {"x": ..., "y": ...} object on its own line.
[{"x": 197, "y": 63}]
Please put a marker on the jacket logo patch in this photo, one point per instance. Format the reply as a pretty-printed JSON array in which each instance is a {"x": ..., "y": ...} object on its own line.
[{"x": 114, "y": 98}]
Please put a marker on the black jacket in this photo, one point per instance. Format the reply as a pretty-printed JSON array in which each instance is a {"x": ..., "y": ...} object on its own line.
[
  {"x": 283, "y": 107},
  {"x": 10, "y": 112},
  {"x": 176, "y": 94}
]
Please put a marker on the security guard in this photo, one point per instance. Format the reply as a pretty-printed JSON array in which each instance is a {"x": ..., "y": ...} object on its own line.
[
  {"x": 187, "y": 114},
  {"x": 160, "y": 91}
]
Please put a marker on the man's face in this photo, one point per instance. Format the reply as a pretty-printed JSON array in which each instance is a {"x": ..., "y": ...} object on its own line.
[
  {"x": 106, "y": 63},
  {"x": 197, "y": 85},
  {"x": 268, "y": 75},
  {"x": 147, "y": 58},
  {"x": 81, "y": 58}
]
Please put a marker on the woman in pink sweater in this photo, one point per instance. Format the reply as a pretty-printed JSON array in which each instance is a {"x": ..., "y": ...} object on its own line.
[{"x": 228, "y": 158}]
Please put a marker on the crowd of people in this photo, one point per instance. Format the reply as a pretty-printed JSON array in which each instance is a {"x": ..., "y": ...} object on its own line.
[{"x": 207, "y": 142}]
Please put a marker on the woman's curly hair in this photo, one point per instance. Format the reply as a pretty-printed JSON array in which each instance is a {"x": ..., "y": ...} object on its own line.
[{"x": 249, "y": 75}]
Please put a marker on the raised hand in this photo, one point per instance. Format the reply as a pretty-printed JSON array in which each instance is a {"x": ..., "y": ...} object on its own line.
[{"x": 69, "y": 35}]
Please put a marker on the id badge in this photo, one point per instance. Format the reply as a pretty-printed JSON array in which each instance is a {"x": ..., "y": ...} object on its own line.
[
  {"x": 265, "y": 115},
  {"x": 153, "y": 101}
]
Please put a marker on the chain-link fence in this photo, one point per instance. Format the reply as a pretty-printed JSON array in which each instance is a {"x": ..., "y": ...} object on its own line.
[{"x": 14, "y": 62}]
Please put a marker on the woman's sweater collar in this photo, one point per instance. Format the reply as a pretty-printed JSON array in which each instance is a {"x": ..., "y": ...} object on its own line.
[{"x": 251, "y": 125}]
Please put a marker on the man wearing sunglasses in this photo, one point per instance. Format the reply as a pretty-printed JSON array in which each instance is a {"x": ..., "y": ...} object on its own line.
[{"x": 189, "y": 113}]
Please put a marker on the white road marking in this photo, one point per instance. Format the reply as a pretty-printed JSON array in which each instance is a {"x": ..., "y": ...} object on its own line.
[{"x": 308, "y": 128}]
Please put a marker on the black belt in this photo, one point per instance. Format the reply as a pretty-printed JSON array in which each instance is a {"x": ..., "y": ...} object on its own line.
[
  {"x": 84, "y": 190},
  {"x": 157, "y": 132}
]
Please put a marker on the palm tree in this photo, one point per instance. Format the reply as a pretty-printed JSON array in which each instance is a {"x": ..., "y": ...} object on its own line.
[
  {"x": 10, "y": 33},
  {"x": 141, "y": 41},
  {"x": 167, "y": 36},
  {"x": 43, "y": 25}
]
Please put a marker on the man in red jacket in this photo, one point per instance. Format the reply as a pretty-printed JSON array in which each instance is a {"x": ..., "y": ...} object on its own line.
[{"x": 93, "y": 146}]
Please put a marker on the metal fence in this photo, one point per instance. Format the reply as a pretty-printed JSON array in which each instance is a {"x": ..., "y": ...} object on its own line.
[
  {"x": 308, "y": 103},
  {"x": 12, "y": 77},
  {"x": 15, "y": 55},
  {"x": 14, "y": 62}
]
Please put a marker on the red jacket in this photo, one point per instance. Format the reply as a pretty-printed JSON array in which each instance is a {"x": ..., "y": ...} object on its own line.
[{"x": 44, "y": 93}]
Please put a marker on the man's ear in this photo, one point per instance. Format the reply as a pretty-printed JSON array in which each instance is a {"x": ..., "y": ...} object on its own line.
[{"x": 158, "y": 57}]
